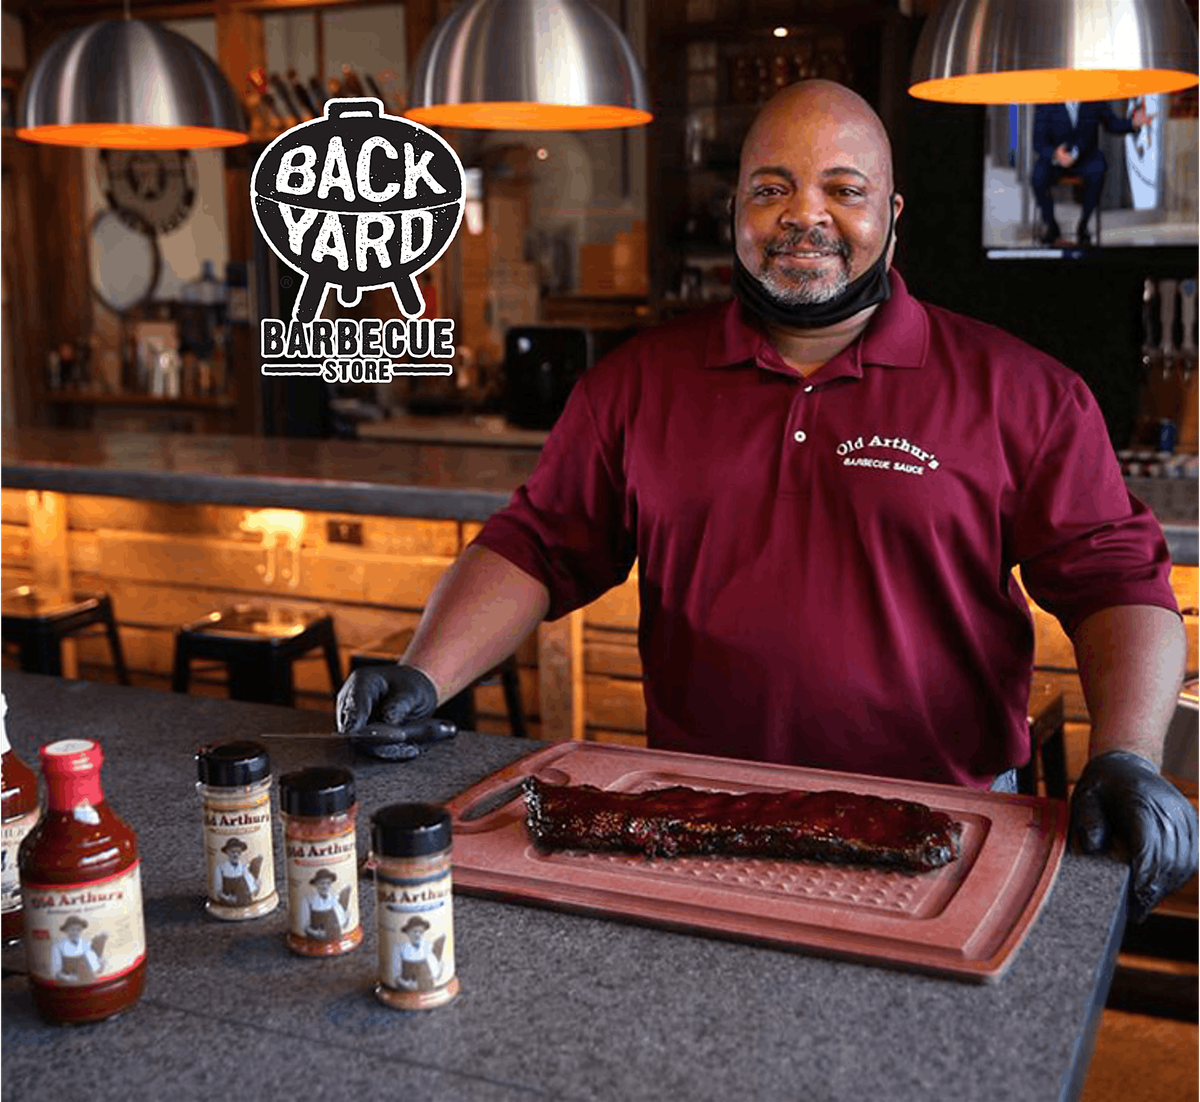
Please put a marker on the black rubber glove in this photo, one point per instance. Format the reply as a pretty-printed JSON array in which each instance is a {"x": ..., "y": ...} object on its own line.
[
  {"x": 387, "y": 712},
  {"x": 1120, "y": 795}
]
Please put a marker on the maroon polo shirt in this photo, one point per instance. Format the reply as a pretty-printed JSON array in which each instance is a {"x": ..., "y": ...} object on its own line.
[{"x": 824, "y": 563}]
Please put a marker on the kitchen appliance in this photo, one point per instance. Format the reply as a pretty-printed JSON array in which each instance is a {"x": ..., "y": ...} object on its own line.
[{"x": 541, "y": 365}]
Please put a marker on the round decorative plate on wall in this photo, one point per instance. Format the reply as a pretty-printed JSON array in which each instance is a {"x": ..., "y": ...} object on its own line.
[{"x": 150, "y": 188}]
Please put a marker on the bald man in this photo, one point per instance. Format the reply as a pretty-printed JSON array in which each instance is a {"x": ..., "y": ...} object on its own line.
[{"x": 826, "y": 485}]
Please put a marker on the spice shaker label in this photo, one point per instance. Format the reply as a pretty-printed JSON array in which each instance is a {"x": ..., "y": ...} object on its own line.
[
  {"x": 10, "y": 875},
  {"x": 238, "y": 849},
  {"x": 86, "y": 933},
  {"x": 322, "y": 884},
  {"x": 416, "y": 931}
]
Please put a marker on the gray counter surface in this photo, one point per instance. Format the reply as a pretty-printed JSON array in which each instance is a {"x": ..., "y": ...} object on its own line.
[
  {"x": 553, "y": 1006},
  {"x": 456, "y": 481},
  {"x": 384, "y": 478}
]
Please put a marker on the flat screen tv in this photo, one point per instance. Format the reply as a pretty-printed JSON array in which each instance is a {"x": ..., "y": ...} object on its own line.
[{"x": 1138, "y": 188}]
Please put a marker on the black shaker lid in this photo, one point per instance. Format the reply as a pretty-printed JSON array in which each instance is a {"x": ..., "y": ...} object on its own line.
[
  {"x": 230, "y": 764},
  {"x": 409, "y": 830},
  {"x": 318, "y": 790}
]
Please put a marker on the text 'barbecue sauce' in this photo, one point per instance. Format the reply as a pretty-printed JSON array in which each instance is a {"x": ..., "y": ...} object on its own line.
[
  {"x": 85, "y": 939},
  {"x": 19, "y": 815}
]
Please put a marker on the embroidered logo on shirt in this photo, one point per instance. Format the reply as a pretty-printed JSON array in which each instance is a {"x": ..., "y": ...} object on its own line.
[{"x": 912, "y": 459}]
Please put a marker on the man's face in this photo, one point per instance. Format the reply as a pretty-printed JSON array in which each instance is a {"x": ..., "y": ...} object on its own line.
[
  {"x": 812, "y": 201},
  {"x": 75, "y": 933},
  {"x": 323, "y": 888},
  {"x": 235, "y": 856}
]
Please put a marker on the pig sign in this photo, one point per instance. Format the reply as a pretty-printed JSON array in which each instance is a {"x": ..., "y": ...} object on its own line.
[{"x": 358, "y": 200}]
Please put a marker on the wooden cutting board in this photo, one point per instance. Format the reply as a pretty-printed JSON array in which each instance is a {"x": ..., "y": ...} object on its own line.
[{"x": 965, "y": 920}]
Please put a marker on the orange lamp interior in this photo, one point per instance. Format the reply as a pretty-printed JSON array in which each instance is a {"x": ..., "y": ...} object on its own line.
[
  {"x": 1052, "y": 85},
  {"x": 108, "y": 135},
  {"x": 528, "y": 116}
]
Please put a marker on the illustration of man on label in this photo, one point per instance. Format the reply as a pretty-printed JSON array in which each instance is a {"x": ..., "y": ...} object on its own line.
[
  {"x": 323, "y": 915},
  {"x": 75, "y": 958},
  {"x": 417, "y": 964},
  {"x": 234, "y": 881}
]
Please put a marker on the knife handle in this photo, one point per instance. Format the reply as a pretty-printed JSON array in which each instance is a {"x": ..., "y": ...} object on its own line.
[{"x": 1187, "y": 313}]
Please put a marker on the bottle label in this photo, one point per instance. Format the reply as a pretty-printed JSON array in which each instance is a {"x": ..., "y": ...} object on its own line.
[
  {"x": 10, "y": 876},
  {"x": 322, "y": 886},
  {"x": 416, "y": 932},
  {"x": 85, "y": 933},
  {"x": 238, "y": 851}
]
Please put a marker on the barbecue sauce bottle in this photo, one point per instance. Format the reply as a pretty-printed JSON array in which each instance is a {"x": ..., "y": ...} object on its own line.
[
  {"x": 85, "y": 940},
  {"x": 19, "y": 813}
]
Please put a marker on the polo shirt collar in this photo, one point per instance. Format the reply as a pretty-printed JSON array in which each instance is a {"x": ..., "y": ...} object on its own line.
[{"x": 897, "y": 336}]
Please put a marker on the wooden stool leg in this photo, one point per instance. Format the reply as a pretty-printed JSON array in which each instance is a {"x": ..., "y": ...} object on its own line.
[
  {"x": 1054, "y": 764},
  {"x": 334, "y": 663},
  {"x": 182, "y": 673},
  {"x": 41, "y": 652},
  {"x": 114, "y": 639},
  {"x": 283, "y": 689},
  {"x": 511, "y": 683},
  {"x": 260, "y": 678}
]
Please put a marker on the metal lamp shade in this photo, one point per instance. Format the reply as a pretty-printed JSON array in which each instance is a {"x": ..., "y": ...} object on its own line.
[
  {"x": 1052, "y": 51},
  {"x": 528, "y": 65},
  {"x": 127, "y": 84}
]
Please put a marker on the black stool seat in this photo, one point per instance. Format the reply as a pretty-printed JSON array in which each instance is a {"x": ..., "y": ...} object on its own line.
[
  {"x": 460, "y": 709},
  {"x": 38, "y": 620},
  {"x": 258, "y": 644}
]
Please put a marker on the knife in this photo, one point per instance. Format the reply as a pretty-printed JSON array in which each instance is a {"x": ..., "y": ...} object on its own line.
[{"x": 380, "y": 734}]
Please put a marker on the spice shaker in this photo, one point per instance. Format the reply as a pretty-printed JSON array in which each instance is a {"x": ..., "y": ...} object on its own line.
[
  {"x": 319, "y": 819},
  {"x": 410, "y": 846},
  {"x": 235, "y": 791},
  {"x": 85, "y": 935}
]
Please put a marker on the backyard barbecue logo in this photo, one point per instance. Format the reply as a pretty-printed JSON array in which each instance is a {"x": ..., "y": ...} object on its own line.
[{"x": 358, "y": 200}]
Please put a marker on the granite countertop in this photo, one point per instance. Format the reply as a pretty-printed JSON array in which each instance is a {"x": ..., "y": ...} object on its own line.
[
  {"x": 381, "y": 478},
  {"x": 490, "y": 429},
  {"x": 456, "y": 480},
  {"x": 553, "y": 1005}
]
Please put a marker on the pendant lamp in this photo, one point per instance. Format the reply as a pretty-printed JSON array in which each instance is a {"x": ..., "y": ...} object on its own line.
[
  {"x": 1053, "y": 51},
  {"x": 128, "y": 84},
  {"x": 528, "y": 65}
]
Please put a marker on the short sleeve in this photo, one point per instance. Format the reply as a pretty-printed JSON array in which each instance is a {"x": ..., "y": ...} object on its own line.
[
  {"x": 570, "y": 525},
  {"x": 1083, "y": 542}
]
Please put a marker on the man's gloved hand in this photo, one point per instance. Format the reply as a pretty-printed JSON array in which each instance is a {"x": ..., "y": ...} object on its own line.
[
  {"x": 1121, "y": 795},
  {"x": 387, "y": 712}
]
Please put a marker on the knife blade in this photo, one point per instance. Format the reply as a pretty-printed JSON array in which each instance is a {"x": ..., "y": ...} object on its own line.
[{"x": 421, "y": 730}]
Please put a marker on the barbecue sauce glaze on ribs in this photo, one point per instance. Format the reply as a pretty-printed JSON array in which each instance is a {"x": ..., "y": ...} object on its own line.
[{"x": 843, "y": 827}]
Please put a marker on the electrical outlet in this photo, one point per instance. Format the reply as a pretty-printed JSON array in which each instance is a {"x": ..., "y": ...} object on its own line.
[{"x": 345, "y": 531}]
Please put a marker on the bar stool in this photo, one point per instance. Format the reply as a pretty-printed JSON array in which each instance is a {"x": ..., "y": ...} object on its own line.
[
  {"x": 259, "y": 645},
  {"x": 460, "y": 709},
  {"x": 38, "y": 620},
  {"x": 1047, "y": 741}
]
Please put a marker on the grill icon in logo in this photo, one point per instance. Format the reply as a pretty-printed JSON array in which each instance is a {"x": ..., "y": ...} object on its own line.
[{"x": 358, "y": 200}]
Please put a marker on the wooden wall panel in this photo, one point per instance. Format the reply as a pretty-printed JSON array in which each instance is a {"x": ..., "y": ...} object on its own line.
[
  {"x": 14, "y": 545},
  {"x": 618, "y": 608},
  {"x": 615, "y": 703},
  {"x": 611, "y": 656}
]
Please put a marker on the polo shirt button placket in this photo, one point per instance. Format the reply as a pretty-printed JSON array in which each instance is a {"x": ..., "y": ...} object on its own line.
[{"x": 800, "y": 435}]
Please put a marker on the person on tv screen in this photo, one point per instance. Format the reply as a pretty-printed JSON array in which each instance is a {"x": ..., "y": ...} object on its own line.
[{"x": 1066, "y": 140}]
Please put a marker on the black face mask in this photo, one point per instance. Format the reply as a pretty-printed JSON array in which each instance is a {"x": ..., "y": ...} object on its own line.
[{"x": 869, "y": 289}]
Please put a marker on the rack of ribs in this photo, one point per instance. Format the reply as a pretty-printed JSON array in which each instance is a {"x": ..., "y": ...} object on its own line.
[{"x": 842, "y": 827}]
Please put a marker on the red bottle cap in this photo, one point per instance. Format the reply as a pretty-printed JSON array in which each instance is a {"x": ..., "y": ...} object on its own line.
[{"x": 72, "y": 768}]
